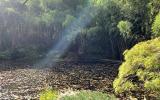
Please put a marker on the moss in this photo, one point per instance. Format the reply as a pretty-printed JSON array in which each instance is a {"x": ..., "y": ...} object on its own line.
[{"x": 142, "y": 61}]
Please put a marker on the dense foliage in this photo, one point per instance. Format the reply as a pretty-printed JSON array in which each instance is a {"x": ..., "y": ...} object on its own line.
[
  {"x": 140, "y": 69},
  {"x": 115, "y": 25}
]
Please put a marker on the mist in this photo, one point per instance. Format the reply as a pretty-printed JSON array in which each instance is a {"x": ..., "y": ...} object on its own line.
[
  {"x": 69, "y": 35},
  {"x": 79, "y": 49}
]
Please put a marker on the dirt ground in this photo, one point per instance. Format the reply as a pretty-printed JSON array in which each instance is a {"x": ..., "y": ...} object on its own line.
[{"x": 18, "y": 81}]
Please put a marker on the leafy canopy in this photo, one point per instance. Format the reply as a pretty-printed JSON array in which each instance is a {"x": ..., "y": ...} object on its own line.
[{"x": 125, "y": 27}]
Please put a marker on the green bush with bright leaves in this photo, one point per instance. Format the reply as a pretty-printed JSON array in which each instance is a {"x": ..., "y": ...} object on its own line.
[{"x": 141, "y": 69}]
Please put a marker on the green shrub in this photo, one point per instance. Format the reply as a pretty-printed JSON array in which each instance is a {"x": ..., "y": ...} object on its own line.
[
  {"x": 89, "y": 95},
  {"x": 141, "y": 68}
]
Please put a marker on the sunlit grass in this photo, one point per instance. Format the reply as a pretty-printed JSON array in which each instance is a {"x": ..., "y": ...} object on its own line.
[
  {"x": 89, "y": 95},
  {"x": 49, "y": 95},
  {"x": 75, "y": 95}
]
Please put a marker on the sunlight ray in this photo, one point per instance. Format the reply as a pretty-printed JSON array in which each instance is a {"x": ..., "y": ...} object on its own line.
[{"x": 69, "y": 34}]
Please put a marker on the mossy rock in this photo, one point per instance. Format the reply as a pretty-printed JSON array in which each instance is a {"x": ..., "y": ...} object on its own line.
[{"x": 141, "y": 68}]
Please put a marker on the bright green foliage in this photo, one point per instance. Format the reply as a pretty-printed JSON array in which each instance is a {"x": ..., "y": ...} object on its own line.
[
  {"x": 88, "y": 95},
  {"x": 125, "y": 27},
  {"x": 156, "y": 26},
  {"x": 43, "y": 22},
  {"x": 143, "y": 62},
  {"x": 49, "y": 95}
]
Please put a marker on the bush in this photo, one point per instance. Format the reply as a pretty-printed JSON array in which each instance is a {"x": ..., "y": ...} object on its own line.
[{"x": 141, "y": 68}]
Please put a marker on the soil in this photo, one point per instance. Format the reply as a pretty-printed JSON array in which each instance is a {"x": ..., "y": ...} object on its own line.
[{"x": 22, "y": 81}]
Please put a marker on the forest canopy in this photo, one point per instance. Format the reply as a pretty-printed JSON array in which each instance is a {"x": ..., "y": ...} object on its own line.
[{"x": 30, "y": 29}]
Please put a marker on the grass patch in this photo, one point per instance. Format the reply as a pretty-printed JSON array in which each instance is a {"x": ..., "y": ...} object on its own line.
[
  {"x": 49, "y": 95},
  {"x": 75, "y": 95},
  {"x": 89, "y": 95}
]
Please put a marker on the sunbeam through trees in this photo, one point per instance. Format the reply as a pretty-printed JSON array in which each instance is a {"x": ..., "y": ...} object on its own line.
[{"x": 79, "y": 49}]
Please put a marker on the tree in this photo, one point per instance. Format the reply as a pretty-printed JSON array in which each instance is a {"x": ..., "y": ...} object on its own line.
[
  {"x": 138, "y": 13},
  {"x": 156, "y": 26},
  {"x": 125, "y": 28}
]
